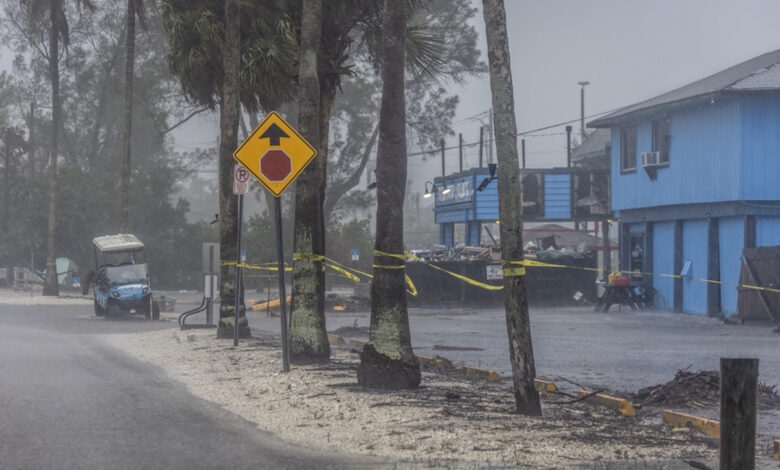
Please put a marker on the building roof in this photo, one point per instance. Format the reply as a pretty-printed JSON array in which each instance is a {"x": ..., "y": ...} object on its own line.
[
  {"x": 118, "y": 242},
  {"x": 757, "y": 74},
  {"x": 592, "y": 152}
]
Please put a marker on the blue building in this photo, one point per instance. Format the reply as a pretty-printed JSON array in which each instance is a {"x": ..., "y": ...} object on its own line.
[
  {"x": 551, "y": 195},
  {"x": 695, "y": 177}
]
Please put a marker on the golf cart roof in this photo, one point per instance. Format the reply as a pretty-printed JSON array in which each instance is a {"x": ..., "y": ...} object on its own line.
[{"x": 118, "y": 242}]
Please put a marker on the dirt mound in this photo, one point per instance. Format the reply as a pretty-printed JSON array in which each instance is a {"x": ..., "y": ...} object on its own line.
[{"x": 698, "y": 390}]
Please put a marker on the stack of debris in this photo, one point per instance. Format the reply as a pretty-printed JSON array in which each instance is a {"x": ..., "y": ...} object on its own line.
[
  {"x": 698, "y": 390},
  {"x": 347, "y": 303}
]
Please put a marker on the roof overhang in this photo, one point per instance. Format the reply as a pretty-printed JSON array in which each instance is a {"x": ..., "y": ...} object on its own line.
[{"x": 118, "y": 242}]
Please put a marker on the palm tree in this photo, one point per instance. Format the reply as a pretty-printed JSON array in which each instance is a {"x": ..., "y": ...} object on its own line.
[
  {"x": 308, "y": 336},
  {"x": 58, "y": 30},
  {"x": 228, "y": 202},
  {"x": 261, "y": 42},
  {"x": 134, "y": 8},
  {"x": 518, "y": 325},
  {"x": 387, "y": 361}
]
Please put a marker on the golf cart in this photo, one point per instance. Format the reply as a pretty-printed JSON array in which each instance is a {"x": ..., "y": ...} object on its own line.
[{"x": 121, "y": 278}]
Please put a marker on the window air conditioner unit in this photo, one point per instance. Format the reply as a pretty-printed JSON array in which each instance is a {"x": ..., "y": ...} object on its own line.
[{"x": 651, "y": 159}]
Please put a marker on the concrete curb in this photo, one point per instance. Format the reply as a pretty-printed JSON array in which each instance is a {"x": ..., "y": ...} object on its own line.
[
  {"x": 336, "y": 339},
  {"x": 620, "y": 404},
  {"x": 710, "y": 427},
  {"x": 474, "y": 373},
  {"x": 544, "y": 386},
  {"x": 437, "y": 362}
]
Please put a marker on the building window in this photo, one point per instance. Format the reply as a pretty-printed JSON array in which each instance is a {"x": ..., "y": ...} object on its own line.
[
  {"x": 662, "y": 139},
  {"x": 628, "y": 149}
]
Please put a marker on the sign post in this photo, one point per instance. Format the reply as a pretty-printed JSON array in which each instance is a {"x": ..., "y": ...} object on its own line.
[
  {"x": 240, "y": 187},
  {"x": 276, "y": 154}
]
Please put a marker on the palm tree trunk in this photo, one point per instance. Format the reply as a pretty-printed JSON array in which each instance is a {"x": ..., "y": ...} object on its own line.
[
  {"x": 31, "y": 142},
  {"x": 388, "y": 361},
  {"x": 128, "y": 114},
  {"x": 51, "y": 284},
  {"x": 308, "y": 336},
  {"x": 228, "y": 203},
  {"x": 518, "y": 325}
]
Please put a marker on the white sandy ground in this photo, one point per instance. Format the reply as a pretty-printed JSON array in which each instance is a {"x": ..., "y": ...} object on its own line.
[
  {"x": 22, "y": 297},
  {"x": 447, "y": 421}
]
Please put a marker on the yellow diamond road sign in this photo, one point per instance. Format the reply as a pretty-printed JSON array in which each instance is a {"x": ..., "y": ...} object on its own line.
[{"x": 275, "y": 153}]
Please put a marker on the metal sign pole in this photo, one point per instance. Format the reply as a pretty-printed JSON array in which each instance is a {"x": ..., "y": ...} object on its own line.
[
  {"x": 210, "y": 288},
  {"x": 282, "y": 294},
  {"x": 237, "y": 305}
]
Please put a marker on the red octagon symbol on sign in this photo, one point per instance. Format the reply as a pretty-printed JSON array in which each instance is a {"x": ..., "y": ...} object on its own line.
[{"x": 275, "y": 165}]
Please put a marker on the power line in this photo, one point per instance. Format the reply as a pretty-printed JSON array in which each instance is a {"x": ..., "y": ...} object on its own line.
[{"x": 528, "y": 133}]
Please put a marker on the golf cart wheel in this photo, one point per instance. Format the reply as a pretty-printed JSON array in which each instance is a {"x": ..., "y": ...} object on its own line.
[
  {"x": 113, "y": 310},
  {"x": 99, "y": 311},
  {"x": 155, "y": 310}
]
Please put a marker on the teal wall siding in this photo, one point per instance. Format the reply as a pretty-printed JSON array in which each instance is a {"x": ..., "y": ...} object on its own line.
[
  {"x": 557, "y": 196},
  {"x": 767, "y": 231},
  {"x": 704, "y": 160},
  {"x": 760, "y": 146},
  {"x": 695, "y": 250},
  {"x": 663, "y": 263},
  {"x": 487, "y": 200},
  {"x": 460, "y": 213},
  {"x": 732, "y": 240}
]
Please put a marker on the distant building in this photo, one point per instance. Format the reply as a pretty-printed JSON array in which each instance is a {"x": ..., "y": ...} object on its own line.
[
  {"x": 695, "y": 177},
  {"x": 594, "y": 150}
]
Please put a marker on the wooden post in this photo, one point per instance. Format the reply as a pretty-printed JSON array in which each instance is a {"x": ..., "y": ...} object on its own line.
[
  {"x": 443, "y": 174},
  {"x": 460, "y": 153},
  {"x": 606, "y": 257},
  {"x": 738, "y": 388}
]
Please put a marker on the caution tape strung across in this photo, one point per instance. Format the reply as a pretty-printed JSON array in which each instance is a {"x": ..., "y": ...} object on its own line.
[{"x": 511, "y": 268}]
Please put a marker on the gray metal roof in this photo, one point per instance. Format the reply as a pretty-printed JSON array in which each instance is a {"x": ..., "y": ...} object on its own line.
[
  {"x": 758, "y": 73},
  {"x": 118, "y": 242},
  {"x": 593, "y": 150}
]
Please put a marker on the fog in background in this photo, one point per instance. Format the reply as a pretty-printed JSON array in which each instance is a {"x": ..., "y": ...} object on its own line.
[{"x": 628, "y": 50}]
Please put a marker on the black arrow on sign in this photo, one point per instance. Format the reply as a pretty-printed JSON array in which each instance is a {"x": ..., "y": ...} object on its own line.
[{"x": 273, "y": 134}]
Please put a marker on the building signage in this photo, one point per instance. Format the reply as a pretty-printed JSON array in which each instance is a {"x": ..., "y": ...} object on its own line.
[{"x": 461, "y": 190}]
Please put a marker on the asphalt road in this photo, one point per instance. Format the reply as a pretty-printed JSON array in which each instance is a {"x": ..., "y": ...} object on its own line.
[{"x": 67, "y": 401}]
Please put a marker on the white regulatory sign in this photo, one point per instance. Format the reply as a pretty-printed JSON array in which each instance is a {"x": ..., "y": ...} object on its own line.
[
  {"x": 240, "y": 180},
  {"x": 494, "y": 272}
]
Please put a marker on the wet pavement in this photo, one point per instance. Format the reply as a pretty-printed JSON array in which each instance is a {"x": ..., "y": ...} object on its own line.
[
  {"x": 621, "y": 351},
  {"x": 618, "y": 350}
]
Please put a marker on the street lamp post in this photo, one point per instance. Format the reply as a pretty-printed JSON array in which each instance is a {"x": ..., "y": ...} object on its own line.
[{"x": 582, "y": 109}]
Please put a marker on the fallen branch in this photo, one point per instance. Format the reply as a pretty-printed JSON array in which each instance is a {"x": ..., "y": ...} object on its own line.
[{"x": 569, "y": 402}]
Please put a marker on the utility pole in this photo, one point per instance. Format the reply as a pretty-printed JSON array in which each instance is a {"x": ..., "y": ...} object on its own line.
[
  {"x": 481, "y": 145},
  {"x": 442, "y": 158},
  {"x": 568, "y": 146},
  {"x": 582, "y": 110},
  {"x": 522, "y": 147},
  {"x": 490, "y": 136},
  {"x": 460, "y": 152}
]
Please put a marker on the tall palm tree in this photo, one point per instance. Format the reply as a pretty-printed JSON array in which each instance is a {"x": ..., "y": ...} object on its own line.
[
  {"x": 229, "y": 109},
  {"x": 262, "y": 57},
  {"x": 387, "y": 361},
  {"x": 518, "y": 325},
  {"x": 134, "y": 8},
  {"x": 308, "y": 336},
  {"x": 58, "y": 30}
]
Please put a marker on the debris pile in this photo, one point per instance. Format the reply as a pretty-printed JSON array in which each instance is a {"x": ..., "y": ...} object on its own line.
[
  {"x": 698, "y": 390},
  {"x": 347, "y": 303}
]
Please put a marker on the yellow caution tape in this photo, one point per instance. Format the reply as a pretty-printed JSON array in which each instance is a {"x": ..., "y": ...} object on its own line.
[
  {"x": 465, "y": 279},
  {"x": 401, "y": 256},
  {"x": 511, "y": 268},
  {"x": 255, "y": 267},
  {"x": 514, "y": 272}
]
